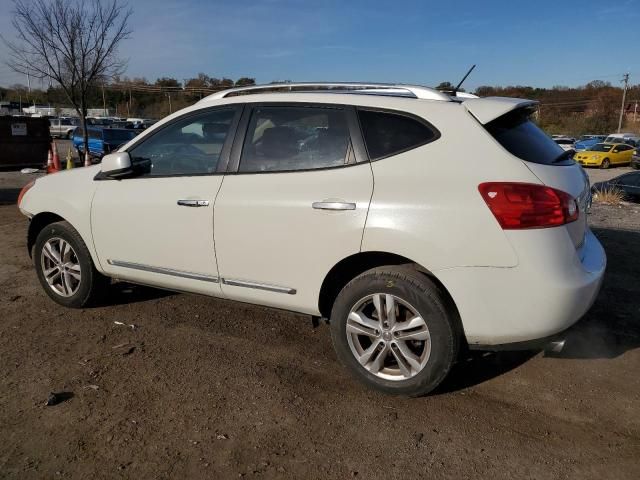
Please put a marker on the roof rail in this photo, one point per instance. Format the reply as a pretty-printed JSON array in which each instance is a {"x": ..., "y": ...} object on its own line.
[{"x": 396, "y": 90}]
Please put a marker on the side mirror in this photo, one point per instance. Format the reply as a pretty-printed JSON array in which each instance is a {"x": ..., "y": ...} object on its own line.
[{"x": 116, "y": 165}]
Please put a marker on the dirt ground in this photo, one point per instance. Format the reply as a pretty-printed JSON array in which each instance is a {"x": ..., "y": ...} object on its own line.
[{"x": 206, "y": 388}]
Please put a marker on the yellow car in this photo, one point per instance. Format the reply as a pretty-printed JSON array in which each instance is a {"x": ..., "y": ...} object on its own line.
[{"x": 604, "y": 155}]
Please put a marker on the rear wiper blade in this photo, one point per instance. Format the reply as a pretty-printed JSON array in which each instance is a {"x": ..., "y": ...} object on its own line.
[{"x": 564, "y": 155}]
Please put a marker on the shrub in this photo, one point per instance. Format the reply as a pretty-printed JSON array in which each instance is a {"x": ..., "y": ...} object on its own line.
[{"x": 609, "y": 195}]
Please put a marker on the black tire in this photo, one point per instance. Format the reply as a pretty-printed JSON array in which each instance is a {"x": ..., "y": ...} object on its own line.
[
  {"x": 415, "y": 288},
  {"x": 605, "y": 163},
  {"x": 92, "y": 286}
]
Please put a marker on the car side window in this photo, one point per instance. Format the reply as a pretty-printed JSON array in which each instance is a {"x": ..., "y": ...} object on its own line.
[
  {"x": 189, "y": 146},
  {"x": 388, "y": 134},
  {"x": 296, "y": 138}
]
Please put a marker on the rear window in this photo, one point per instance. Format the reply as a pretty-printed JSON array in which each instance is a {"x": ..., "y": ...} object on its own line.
[
  {"x": 521, "y": 137},
  {"x": 388, "y": 134}
]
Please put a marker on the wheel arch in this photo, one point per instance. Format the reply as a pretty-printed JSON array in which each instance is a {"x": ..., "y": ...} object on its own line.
[
  {"x": 38, "y": 222},
  {"x": 350, "y": 267}
]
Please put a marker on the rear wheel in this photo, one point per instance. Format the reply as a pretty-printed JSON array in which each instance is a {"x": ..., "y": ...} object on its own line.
[
  {"x": 65, "y": 269},
  {"x": 392, "y": 329},
  {"x": 605, "y": 163}
]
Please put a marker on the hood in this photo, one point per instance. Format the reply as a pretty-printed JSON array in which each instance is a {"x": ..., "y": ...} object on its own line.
[{"x": 490, "y": 108}]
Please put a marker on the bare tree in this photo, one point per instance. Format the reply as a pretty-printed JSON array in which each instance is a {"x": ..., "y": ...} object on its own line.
[{"x": 72, "y": 42}]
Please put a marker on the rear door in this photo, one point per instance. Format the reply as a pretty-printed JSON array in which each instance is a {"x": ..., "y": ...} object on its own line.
[{"x": 293, "y": 205}]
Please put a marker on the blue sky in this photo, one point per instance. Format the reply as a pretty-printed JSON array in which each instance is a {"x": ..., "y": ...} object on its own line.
[{"x": 539, "y": 43}]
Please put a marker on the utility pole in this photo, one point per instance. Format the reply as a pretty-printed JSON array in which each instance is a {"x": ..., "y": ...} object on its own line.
[
  {"x": 635, "y": 111},
  {"x": 625, "y": 79},
  {"x": 169, "y": 96},
  {"x": 104, "y": 103}
]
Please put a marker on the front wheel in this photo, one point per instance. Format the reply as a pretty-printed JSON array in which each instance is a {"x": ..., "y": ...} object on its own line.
[
  {"x": 605, "y": 163},
  {"x": 392, "y": 328},
  {"x": 65, "y": 269}
]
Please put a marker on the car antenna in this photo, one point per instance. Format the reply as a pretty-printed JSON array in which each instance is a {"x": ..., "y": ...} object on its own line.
[{"x": 455, "y": 90}]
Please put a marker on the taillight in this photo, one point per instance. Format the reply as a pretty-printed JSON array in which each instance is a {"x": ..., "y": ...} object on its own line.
[
  {"x": 525, "y": 205},
  {"x": 24, "y": 190}
]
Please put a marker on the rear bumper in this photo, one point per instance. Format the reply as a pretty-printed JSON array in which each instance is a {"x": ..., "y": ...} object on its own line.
[{"x": 552, "y": 287}]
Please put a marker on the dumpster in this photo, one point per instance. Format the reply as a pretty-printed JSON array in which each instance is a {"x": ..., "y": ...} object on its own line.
[{"x": 24, "y": 142}]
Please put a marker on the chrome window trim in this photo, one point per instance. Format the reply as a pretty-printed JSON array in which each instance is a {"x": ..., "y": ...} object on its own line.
[
  {"x": 258, "y": 286},
  {"x": 164, "y": 271}
]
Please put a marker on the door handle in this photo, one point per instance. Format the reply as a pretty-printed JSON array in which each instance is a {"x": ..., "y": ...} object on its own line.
[
  {"x": 333, "y": 205},
  {"x": 193, "y": 203}
]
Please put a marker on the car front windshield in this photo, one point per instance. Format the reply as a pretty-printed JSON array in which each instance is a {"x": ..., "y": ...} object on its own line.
[{"x": 601, "y": 147}]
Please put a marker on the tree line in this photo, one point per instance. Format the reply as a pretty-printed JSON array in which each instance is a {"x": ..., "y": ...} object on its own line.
[{"x": 592, "y": 108}]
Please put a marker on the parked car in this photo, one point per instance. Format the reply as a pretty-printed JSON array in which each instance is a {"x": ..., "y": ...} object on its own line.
[
  {"x": 101, "y": 140},
  {"x": 604, "y": 155},
  {"x": 628, "y": 183},
  {"x": 635, "y": 159},
  {"x": 586, "y": 143},
  {"x": 566, "y": 143},
  {"x": 627, "y": 138},
  {"x": 141, "y": 123},
  {"x": 268, "y": 198},
  {"x": 62, "y": 127},
  {"x": 592, "y": 136},
  {"x": 99, "y": 121}
]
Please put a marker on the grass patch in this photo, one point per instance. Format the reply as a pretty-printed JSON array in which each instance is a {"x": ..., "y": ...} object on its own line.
[{"x": 610, "y": 196}]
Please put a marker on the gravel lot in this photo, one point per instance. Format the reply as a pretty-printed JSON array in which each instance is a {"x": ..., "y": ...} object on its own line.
[{"x": 205, "y": 388}]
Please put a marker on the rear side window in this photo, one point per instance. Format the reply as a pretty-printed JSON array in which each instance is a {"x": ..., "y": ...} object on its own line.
[
  {"x": 521, "y": 137},
  {"x": 388, "y": 134},
  {"x": 282, "y": 139}
]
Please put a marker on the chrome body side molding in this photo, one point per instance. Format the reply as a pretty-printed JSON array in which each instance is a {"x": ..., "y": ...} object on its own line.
[
  {"x": 202, "y": 277},
  {"x": 165, "y": 271},
  {"x": 258, "y": 286}
]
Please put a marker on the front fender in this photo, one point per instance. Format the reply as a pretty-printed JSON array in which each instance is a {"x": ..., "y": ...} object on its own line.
[{"x": 65, "y": 195}]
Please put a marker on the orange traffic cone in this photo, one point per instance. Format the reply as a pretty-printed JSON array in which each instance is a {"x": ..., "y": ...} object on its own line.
[
  {"x": 87, "y": 159},
  {"x": 50, "y": 163},
  {"x": 56, "y": 159}
]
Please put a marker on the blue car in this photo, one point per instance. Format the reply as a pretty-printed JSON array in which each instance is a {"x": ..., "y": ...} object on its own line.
[
  {"x": 586, "y": 144},
  {"x": 102, "y": 140}
]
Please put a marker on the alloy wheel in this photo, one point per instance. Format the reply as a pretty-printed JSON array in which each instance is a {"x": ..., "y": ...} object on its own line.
[
  {"x": 388, "y": 337},
  {"x": 61, "y": 267}
]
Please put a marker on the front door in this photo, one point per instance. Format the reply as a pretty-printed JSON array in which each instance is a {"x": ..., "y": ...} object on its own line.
[
  {"x": 156, "y": 227},
  {"x": 296, "y": 205}
]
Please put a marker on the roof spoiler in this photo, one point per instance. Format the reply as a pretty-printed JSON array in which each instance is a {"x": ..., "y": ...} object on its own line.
[{"x": 490, "y": 108}]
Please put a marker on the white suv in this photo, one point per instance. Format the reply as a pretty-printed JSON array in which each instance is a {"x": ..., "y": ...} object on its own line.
[{"x": 416, "y": 222}]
